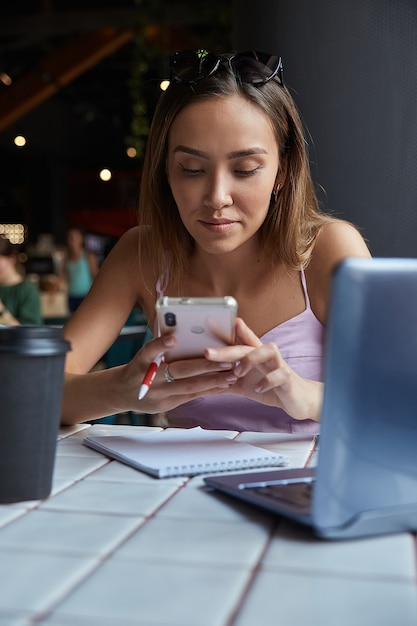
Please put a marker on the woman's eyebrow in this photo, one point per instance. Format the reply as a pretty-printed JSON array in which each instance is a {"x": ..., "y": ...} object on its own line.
[
  {"x": 237, "y": 154},
  {"x": 192, "y": 151},
  {"x": 248, "y": 152}
]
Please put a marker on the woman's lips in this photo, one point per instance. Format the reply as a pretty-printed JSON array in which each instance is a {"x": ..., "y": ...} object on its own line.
[{"x": 218, "y": 226}]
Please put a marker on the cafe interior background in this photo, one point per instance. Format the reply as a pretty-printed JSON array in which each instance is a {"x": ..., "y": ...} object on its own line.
[{"x": 79, "y": 81}]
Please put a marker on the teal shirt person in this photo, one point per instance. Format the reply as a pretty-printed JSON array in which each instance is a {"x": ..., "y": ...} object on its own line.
[
  {"x": 80, "y": 268},
  {"x": 80, "y": 277}
]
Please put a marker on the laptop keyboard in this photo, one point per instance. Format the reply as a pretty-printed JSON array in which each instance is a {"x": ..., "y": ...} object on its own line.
[{"x": 297, "y": 494}]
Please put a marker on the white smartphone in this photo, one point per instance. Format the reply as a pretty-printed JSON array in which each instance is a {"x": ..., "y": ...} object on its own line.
[{"x": 197, "y": 323}]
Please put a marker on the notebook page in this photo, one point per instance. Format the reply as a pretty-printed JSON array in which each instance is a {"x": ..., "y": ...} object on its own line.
[{"x": 177, "y": 452}]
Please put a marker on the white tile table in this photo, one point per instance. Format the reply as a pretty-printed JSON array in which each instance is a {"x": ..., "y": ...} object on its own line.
[{"x": 112, "y": 546}]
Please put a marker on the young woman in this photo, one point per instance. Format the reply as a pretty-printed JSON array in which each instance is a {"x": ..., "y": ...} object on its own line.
[
  {"x": 79, "y": 270},
  {"x": 227, "y": 207}
]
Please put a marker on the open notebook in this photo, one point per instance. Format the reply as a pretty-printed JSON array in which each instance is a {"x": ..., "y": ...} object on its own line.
[{"x": 174, "y": 452}]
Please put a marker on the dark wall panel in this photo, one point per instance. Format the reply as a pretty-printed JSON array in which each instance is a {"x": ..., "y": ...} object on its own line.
[{"x": 352, "y": 68}]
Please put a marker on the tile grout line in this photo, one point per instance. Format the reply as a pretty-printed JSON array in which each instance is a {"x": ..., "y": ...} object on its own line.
[
  {"x": 231, "y": 620},
  {"x": 48, "y": 612}
]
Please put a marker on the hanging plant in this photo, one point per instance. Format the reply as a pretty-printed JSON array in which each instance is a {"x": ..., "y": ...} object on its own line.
[{"x": 161, "y": 28}]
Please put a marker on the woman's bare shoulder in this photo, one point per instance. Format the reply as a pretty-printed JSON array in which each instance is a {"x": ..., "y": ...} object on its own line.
[
  {"x": 124, "y": 264},
  {"x": 126, "y": 249},
  {"x": 129, "y": 241},
  {"x": 337, "y": 240}
]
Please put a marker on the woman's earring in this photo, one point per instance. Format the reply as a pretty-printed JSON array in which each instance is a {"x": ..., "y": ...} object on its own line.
[{"x": 276, "y": 191}]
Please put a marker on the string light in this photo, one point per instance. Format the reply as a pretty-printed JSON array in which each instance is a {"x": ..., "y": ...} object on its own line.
[
  {"x": 15, "y": 233},
  {"x": 5, "y": 79},
  {"x": 131, "y": 152},
  {"x": 19, "y": 141},
  {"x": 105, "y": 174}
]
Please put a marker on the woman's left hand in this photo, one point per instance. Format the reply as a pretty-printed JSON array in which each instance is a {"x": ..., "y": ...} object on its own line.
[{"x": 264, "y": 376}]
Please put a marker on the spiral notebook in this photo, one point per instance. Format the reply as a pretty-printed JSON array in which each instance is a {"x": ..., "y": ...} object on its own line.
[{"x": 177, "y": 452}]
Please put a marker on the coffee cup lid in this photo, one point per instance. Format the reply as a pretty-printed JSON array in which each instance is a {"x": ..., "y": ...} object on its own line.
[{"x": 33, "y": 340}]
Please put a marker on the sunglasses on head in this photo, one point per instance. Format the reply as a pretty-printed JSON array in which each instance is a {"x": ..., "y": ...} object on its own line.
[{"x": 255, "y": 68}]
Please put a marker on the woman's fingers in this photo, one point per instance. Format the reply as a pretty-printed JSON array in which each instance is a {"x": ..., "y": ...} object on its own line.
[
  {"x": 190, "y": 385},
  {"x": 245, "y": 335},
  {"x": 246, "y": 342},
  {"x": 265, "y": 358}
]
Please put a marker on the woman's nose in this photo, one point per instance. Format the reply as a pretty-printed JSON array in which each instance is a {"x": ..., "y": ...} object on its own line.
[{"x": 218, "y": 193}]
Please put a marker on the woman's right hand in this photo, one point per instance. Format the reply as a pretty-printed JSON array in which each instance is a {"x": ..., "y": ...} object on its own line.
[{"x": 192, "y": 378}]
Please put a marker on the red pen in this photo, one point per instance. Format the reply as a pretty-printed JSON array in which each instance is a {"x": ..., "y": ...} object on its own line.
[{"x": 149, "y": 376}]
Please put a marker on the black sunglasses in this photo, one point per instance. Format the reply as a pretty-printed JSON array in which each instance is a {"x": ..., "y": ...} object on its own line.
[{"x": 255, "y": 68}]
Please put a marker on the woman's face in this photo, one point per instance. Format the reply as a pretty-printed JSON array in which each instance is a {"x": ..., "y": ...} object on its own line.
[
  {"x": 223, "y": 161},
  {"x": 75, "y": 238},
  {"x": 7, "y": 268}
]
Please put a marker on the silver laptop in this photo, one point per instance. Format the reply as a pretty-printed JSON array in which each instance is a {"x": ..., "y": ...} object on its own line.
[{"x": 365, "y": 481}]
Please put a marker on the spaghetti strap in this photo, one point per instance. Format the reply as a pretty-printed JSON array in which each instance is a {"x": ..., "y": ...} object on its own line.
[
  {"x": 162, "y": 282},
  {"x": 304, "y": 284},
  {"x": 160, "y": 287}
]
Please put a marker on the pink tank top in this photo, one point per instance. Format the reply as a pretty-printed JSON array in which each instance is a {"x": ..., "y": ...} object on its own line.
[{"x": 300, "y": 341}]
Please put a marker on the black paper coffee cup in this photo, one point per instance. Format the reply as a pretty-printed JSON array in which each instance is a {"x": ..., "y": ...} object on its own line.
[{"x": 32, "y": 360}]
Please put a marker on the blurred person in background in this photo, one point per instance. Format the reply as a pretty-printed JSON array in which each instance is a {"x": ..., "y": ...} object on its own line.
[
  {"x": 79, "y": 269},
  {"x": 20, "y": 301}
]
